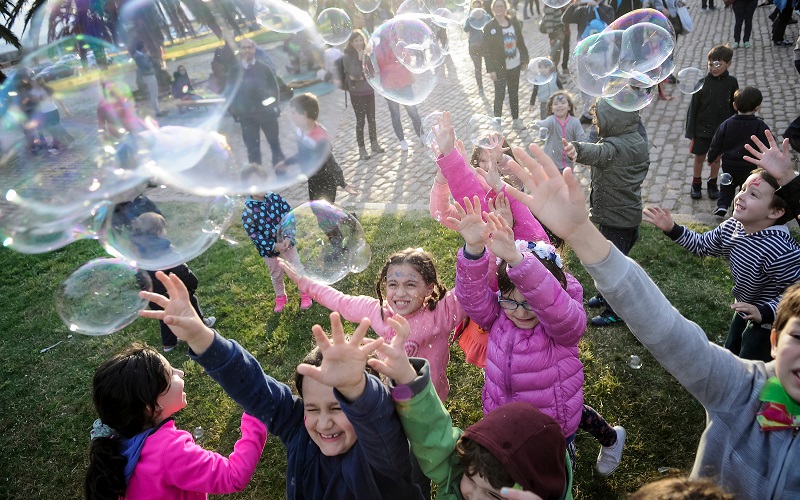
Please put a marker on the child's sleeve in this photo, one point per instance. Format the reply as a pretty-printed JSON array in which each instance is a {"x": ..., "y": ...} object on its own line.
[
  {"x": 596, "y": 155},
  {"x": 708, "y": 244},
  {"x": 784, "y": 272},
  {"x": 691, "y": 116},
  {"x": 352, "y": 308},
  {"x": 462, "y": 180},
  {"x": 575, "y": 131},
  {"x": 526, "y": 226},
  {"x": 189, "y": 467},
  {"x": 429, "y": 428},
  {"x": 473, "y": 291},
  {"x": 440, "y": 206}
]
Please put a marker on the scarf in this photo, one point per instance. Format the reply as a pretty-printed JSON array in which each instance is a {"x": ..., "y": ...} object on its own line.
[{"x": 779, "y": 411}]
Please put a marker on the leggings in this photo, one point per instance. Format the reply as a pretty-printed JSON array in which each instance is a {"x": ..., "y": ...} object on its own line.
[
  {"x": 743, "y": 10},
  {"x": 529, "y": 6},
  {"x": 276, "y": 272},
  {"x": 397, "y": 125},
  {"x": 508, "y": 78},
  {"x": 476, "y": 54},
  {"x": 364, "y": 108},
  {"x": 780, "y": 23},
  {"x": 596, "y": 425}
]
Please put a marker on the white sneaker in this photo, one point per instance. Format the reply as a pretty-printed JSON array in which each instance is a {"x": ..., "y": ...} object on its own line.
[
  {"x": 610, "y": 456},
  {"x": 209, "y": 321},
  {"x": 403, "y": 145}
]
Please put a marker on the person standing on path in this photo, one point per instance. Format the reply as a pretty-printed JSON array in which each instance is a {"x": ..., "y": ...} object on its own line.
[
  {"x": 506, "y": 54},
  {"x": 146, "y": 70}
]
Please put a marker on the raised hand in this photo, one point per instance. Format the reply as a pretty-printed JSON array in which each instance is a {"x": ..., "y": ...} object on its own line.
[
  {"x": 569, "y": 149},
  {"x": 775, "y": 160},
  {"x": 444, "y": 133},
  {"x": 343, "y": 359},
  {"x": 492, "y": 175},
  {"x": 502, "y": 242},
  {"x": 659, "y": 217},
  {"x": 499, "y": 205},
  {"x": 470, "y": 225},
  {"x": 395, "y": 364}
]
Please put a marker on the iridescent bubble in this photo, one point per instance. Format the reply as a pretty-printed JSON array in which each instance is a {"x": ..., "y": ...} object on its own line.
[
  {"x": 163, "y": 227},
  {"x": 334, "y": 26},
  {"x": 429, "y": 126},
  {"x": 631, "y": 98},
  {"x": 281, "y": 16},
  {"x": 389, "y": 76},
  {"x": 640, "y": 16},
  {"x": 725, "y": 179},
  {"x": 690, "y": 80},
  {"x": 444, "y": 17},
  {"x": 479, "y": 18},
  {"x": 580, "y": 72},
  {"x": 367, "y": 6},
  {"x": 482, "y": 129},
  {"x": 102, "y": 297},
  {"x": 415, "y": 45},
  {"x": 601, "y": 53},
  {"x": 330, "y": 242},
  {"x": 644, "y": 47},
  {"x": 556, "y": 4},
  {"x": 541, "y": 71}
]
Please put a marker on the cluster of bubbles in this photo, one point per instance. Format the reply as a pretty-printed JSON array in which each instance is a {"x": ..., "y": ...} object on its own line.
[
  {"x": 155, "y": 192},
  {"x": 626, "y": 60}
]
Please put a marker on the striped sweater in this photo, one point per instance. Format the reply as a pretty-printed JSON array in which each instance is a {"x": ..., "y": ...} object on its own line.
[{"x": 763, "y": 264}]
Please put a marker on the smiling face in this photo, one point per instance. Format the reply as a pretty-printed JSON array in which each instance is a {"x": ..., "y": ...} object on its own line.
[
  {"x": 786, "y": 351},
  {"x": 475, "y": 487},
  {"x": 561, "y": 106},
  {"x": 406, "y": 289},
  {"x": 173, "y": 399},
  {"x": 357, "y": 42},
  {"x": 521, "y": 317},
  {"x": 324, "y": 419},
  {"x": 751, "y": 205},
  {"x": 499, "y": 10}
]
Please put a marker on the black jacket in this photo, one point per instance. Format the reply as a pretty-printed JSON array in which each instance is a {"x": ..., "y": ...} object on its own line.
[
  {"x": 257, "y": 86},
  {"x": 711, "y": 105},
  {"x": 495, "y": 53},
  {"x": 730, "y": 138}
]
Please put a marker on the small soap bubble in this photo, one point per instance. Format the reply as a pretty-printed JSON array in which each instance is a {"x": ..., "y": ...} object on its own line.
[
  {"x": 367, "y": 6},
  {"x": 334, "y": 26},
  {"x": 102, "y": 297},
  {"x": 664, "y": 470},
  {"x": 482, "y": 130},
  {"x": 690, "y": 80},
  {"x": 479, "y": 18},
  {"x": 634, "y": 362},
  {"x": 725, "y": 179},
  {"x": 198, "y": 433},
  {"x": 542, "y": 134},
  {"x": 556, "y": 4},
  {"x": 541, "y": 71}
]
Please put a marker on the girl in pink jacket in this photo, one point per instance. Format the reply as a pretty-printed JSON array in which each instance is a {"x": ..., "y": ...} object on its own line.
[
  {"x": 137, "y": 452},
  {"x": 413, "y": 290},
  {"x": 534, "y": 322}
]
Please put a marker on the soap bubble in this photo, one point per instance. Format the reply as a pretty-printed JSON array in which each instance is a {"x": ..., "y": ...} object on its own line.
[
  {"x": 690, "y": 80},
  {"x": 541, "y": 71},
  {"x": 281, "y": 16},
  {"x": 601, "y": 52},
  {"x": 644, "y": 47},
  {"x": 367, "y": 6},
  {"x": 164, "y": 228},
  {"x": 582, "y": 67},
  {"x": 631, "y": 98},
  {"x": 444, "y": 17},
  {"x": 415, "y": 45},
  {"x": 330, "y": 242},
  {"x": 334, "y": 26},
  {"x": 102, "y": 297},
  {"x": 429, "y": 125},
  {"x": 725, "y": 179},
  {"x": 389, "y": 76},
  {"x": 479, "y": 18},
  {"x": 540, "y": 134},
  {"x": 412, "y": 7},
  {"x": 556, "y": 4},
  {"x": 483, "y": 130},
  {"x": 634, "y": 362},
  {"x": 639, "y": 16}
]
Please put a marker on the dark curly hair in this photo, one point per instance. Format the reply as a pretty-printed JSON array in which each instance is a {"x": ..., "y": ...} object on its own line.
[
  {"x": 475, "y": 459},
  {"x": 420, "y": 260}
]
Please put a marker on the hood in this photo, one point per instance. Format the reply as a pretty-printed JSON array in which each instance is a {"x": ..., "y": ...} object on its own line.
[
  {"x": 529, "y": 444},
  {"x": 131, "y": 449},
  {"x": 612, "y": 122}
]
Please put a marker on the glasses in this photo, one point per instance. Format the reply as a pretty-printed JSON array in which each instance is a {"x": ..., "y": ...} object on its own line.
[{"x": 512, "y": 305}]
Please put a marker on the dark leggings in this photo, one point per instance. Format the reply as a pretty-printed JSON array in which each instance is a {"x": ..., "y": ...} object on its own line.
[
  {"x": 748, "y": 340},
  {"x": 744, "y": 11},
  {"x": 596, "y": 425},
  {"x": 364, "y": 108},
  {"x": 476, "y": 54},
  {"x": 779, "y": 25},
  {"x": 507, "y": 78},
  {"x": 529, "y": 6}
]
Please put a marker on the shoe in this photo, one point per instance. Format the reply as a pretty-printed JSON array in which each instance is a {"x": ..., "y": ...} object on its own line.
[
  {"x": 672, "y": 80},
  {"x": 713, "y": 190},
  {"x": 610, "y": 456},
  {"x": 704, "y": 9},
  {"x": 791, "y": 21},
  {"x": 518, "y": 124},
  {"x": 696, "y": 192},
  {"x": 305, "y": 301},
  {"x": 747, "y": 45},
  {"x": 209, "y": 321},
  {"x": 782, "y": 43},
  {"x": 735, "y": 45},
  {"x": 168, "y": 348},
  {"x": 403, "y": 145},
  {"x": 607, "y": 318},
  {"x": 596, "y": 301},
  {"x": 362, "y": 153},
  {"x": 376, "y": 149},
  {"x": 280, "y": 303},
  {"x": 720, "y": 211}
]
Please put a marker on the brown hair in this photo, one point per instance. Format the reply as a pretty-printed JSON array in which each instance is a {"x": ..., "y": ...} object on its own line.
[
  {"x": 777, "y": 202},
  {"x": 422, "y": 262},
  {"x": 314, "y": 358},
  {"x": 788, "y": 308},
  {"x": 553, "y": 98},
  {"x": 149, "y": 223},
  {"x": 681, "y": 488},
  {"x": 306, "y": 104},
  {"x": 720, "y": 53},
  {"x": 475, "y": 459}
]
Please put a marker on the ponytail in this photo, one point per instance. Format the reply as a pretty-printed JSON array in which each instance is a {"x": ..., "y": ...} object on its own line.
[{"x": 105, "y": 477}]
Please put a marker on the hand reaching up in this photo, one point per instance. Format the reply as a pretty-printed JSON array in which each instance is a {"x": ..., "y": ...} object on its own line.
[
  {"x": 471, "y": 226},
  {"x": 343, "y": 359},
  {"x": 444, "y": 134},
  {"x": 659, "y": 217},
  {"x": 492, "y": 176},
  {"x": 502, "y": 242},
  {"x": 500, "y": 205},
  {"x": 395, "y": 365},
  {"x": 777, "y": 161}
]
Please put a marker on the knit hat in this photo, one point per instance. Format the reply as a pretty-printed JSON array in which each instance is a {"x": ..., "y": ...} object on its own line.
[{"x": 529, "y": 444}]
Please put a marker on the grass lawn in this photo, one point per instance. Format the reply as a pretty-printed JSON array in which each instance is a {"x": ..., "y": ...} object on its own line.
[{"x": 47, "y": 413}]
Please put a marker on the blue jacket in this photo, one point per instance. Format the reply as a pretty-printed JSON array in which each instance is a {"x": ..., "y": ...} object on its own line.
[{"x": 378, "y": 466}]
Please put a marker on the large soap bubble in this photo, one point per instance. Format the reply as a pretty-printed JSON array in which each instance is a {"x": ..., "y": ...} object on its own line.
[
  {"x": 601, "y": 53},
  {"x": 389, "y": 76},
  {"x": 482, "y": 130},
  {"x": 330, "y": 242},
  {"x": 281, "y": 16},
  {"x": 367, "y": 6},
  {"x": 556, "y": 4},
  {"x": 415, "y": 45},
  {"x": 102, "y": 297},
  {"x": 479, "y": 18},
  {"x": 644, "y": 47},
  {"x": 690, "y": 80},
  {"x": 413, "y": 8},
  {"x": 334, "y": 26},
  {"x": 631, "y": 98},
  {"x": 541, "y": 71},
  {"x": 640, "y": 16}
]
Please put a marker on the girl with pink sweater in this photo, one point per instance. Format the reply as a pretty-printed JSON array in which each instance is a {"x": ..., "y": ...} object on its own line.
[{"x": 137, "y": 452}]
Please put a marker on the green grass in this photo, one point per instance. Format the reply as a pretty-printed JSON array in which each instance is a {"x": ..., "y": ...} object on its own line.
[{"x": 47, "y": 413}]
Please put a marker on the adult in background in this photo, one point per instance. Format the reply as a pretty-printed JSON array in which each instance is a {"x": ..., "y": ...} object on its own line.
[
  {"x": 361, "y": 94},
  {"x": 506, "y": 55},
  {"x": 743, "y": 10},
  {"x": 255, "y": 104},
  {"x": 622, "y": 7},
  {"x": 784, "y": 8},
  {"x": 146, "y": 70}
]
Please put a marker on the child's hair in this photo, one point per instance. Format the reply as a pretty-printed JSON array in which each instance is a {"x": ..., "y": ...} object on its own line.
[
  {"x": 149, "y": 223},
  {"x": 125, "y": 390},
  {"x": 306, "y": 104},
  {"x": 747, "y": 99},
  {"x": 551, "y": 263},
  {"x": 420, "y": 260},
  {"x": 720, "y": 53},
  {"x": 314, "y": 358},
  {"x": 557, "y": 94},
  {"x": 777, "y": 202},
  {"x": 788, "y": 308},
  {"x": 475, "y": 459},
  {"x": 475, "y": 159},
  {"x": 681, "y": 488}
]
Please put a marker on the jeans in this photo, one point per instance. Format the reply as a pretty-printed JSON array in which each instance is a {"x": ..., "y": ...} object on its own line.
[
  {"x": 152, "y": 91},
  {"x": 508, "y": 78},
  {"x": 744, "y": 10},
  {"x": 364, "y": 108},
  {"x": 252, "y": 125},
  {"x": 397, "y": 125}
]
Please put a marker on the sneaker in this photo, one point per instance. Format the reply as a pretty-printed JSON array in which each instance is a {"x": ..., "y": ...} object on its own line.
[
  {"x": 362, "y": 153},
  {"x": 376, "y": 148},
  {"x": 403, "y": 145},
  {"x": 168, "y": 348},
  {"x": 518, "y": 124},
  {"x": 721, "y": 211},
  {"x": 280, "y": 303},
  {"x": 735, "y": 45},
  {"x": 209, "y": 321},
  {"x": 696, "y": 193},
  {"x": 782, "y": 43},
  {"x": 596, "y": 301},
  {"x": 610, "y": 456},
  {"x": 747, "y": 45},
  {"x": 607, "y": 318},
  {"x": 713, "y": 190},
  {"x": 305, "y": 301}
]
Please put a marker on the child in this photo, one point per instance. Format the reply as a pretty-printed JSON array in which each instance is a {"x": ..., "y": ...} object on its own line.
[
  {"x": 261, "y": 221},
  {"x": 729, "y": 141},
  {"x": 534, "y": 324},
  {"x": 749, "y": 446},
  {"x": 764, "y": 258},
  {"x": 514, "y": 446},
  {"x": 619, "y": 162},
  {"x": 413, "y": 290},
  {"x": 148, "y": 236},
  {"x": 137, "y": 451},
  {"x": 476, "y": 46},
  {"x": 343, "y": 440},
  {"x": 561, "y": 125},
  {"x": 709, "y": 107},
  {"x": 545, "y": 90}
]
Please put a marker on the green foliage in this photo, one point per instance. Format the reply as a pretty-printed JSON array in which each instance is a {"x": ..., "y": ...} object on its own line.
[{"x": 47, "y": 411}]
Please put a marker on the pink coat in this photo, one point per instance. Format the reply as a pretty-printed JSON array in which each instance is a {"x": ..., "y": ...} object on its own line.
[
  {"x": 430, "y": 330},
  {"x": 171, "y": 466},
  {"x": 541, "y": 365}
]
